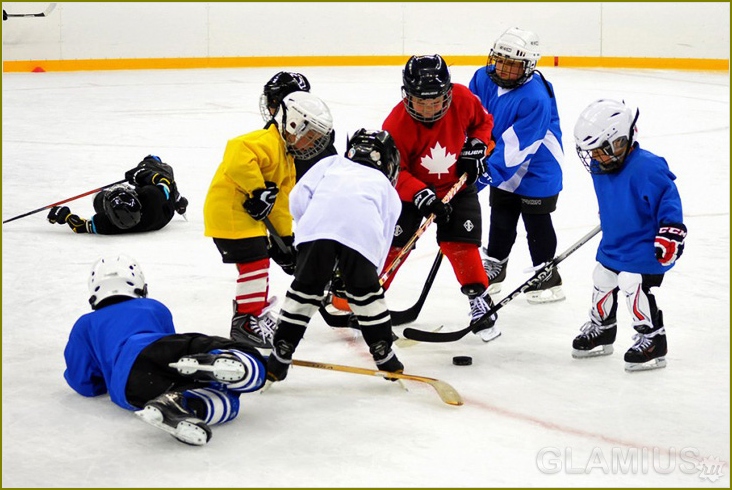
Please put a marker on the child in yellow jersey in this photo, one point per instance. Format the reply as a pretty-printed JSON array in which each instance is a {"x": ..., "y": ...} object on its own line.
[{"x": 252, "y": 185}]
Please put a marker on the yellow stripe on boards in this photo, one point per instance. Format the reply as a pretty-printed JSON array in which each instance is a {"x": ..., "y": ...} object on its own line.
[{"x": 278, "y": 61}]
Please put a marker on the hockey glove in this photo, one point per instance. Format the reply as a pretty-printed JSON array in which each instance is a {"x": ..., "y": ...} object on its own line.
[
  {"x": 145, "y": 176},
  {"x": 181, "y": 205},
  {"x": 262, "y": 201},
  {"x": 669, "y": 243},
  {"x": 472, "y": 160},
  {"x": 427, "y": 203},
  {"x": 286, "y": 259},
  {"x": 63, "y": 215},
  {"x": 58, "y": 214}
]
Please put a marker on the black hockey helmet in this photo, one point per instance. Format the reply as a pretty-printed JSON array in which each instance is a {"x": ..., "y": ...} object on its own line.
[
  {"x": 375, "y": 149},
  {"x": 122, "y": 207},
  {"x": 277, "y": 88},
  {"x": 426, "y": 77}
]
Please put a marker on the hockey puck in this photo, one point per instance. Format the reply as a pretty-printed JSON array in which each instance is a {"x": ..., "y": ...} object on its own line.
[{"x": 462, "y": 360}]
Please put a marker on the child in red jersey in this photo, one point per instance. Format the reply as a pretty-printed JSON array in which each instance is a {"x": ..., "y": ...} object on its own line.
[{"x": 442, "y": 132}]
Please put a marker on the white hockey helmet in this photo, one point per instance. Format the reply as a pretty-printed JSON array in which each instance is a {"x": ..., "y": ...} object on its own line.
[
  {"x": 515, "y": 45},
  {"x": 115, "y": 276},
  {"x": 305, "y": 123},
  {"x": 606, "y": 128}
]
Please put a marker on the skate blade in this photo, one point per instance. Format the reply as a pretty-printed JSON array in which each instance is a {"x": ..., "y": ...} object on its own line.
[
  {"x": 634, "y": 367},
  {"x": 495, "y": 288},
  {"x": 551, "y": 295},
  {"x": 603, "y": 350},
  {"x": 186, "y": 431},
  {"x": 267, "y": 385},
  {"x": 488, "y": 334},
  {"x": 224, "y": 370}
]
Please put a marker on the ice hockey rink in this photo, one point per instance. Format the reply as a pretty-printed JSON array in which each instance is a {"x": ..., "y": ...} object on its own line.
[{"x": 533, "y": 415}]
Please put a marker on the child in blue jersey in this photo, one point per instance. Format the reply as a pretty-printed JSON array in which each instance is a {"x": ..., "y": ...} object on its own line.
[
  {"x": 127, "y": 346},
  {"x": 642, "y": 233},
  {"x": 523, "y": 172}
]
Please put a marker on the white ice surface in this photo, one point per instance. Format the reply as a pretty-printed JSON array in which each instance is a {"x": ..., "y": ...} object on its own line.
[{"x": 526, "y": 399}]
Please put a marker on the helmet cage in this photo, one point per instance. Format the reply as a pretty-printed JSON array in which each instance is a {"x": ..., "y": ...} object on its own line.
[
  {"x": 611, "y": 163},
  {"x": 518, "y": 74}
]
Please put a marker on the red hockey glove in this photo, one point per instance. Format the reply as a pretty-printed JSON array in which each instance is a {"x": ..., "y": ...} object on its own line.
[{"x": 669, "y": 243}]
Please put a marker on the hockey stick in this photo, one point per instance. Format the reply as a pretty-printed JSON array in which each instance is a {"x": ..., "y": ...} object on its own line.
[
  {"x": 330, "y": 319},
  {"x": 45, "y": 13},
  {"x": 64, "y": 201},
  {"x": 541, "y": 274},
  {"x": 275, "y": 236},
  {"x": 447, "y": 393},
  {"x": 411, "y": 313},
  {"x": 391, "y": 268},
  {"x": 397, "y": 317}
]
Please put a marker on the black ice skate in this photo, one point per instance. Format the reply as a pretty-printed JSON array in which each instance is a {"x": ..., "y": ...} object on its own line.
[
  {"x": 385, "y": 358},
  {"x": 648, "y": 351},
  {"x": 279, "y": 361},
  {"x": 223, "y": 367},
  {"x": 595, "y": 340},
  {"x": 255, "y": 331},
  {"x": 483, "y": 324},
  {"x": 169, "y": 413},
  {"x": 547, "y": 291},
  {"x": 496, "y": 271}
]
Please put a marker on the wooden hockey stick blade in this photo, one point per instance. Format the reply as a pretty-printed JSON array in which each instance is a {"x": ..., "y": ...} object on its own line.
[
  {"x": 411, "y": 314},
  {"x": 541, "y": 274},
  {"x": 447, "y": 393},
  {"x": 405, "y": 342}
]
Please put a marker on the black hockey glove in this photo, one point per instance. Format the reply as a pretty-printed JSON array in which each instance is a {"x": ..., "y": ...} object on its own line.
[
  {"x": 58, "y": 214},
  {"x": 262, "y": 201},
  {"x": 145, "y": 176},
  {"x": 286, "y": 259},
  {"x": 427, "y": 203},
  {"x": 63, "y": 215},
  {"x": 472, "y": 160},
  {"x": 181, "y": 205},
  {"x": 669, "y": 243}
]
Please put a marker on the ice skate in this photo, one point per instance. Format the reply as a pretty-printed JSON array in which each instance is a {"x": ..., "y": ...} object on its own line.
[
  {"x": 167, "y": 412},
  {"x": 496, "y": 271},
  {"x": 483, "y": 324},
  {"x": 255, "y": 331},
  {"x": 547, "y": 291},
  {"x": 218, "y": 366},
  {"x": 648, "y": 352},
  {"x": 595, "y": 340},
  {"x": 385, "y": 358},
  {"x": 279, "y": 361}
]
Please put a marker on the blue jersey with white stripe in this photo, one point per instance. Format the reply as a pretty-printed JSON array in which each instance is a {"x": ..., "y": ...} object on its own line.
[
  {"x": 104, "y": 344},
  {"x": 633, "y": 203},
  {"x": 528, "y": 154}
]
